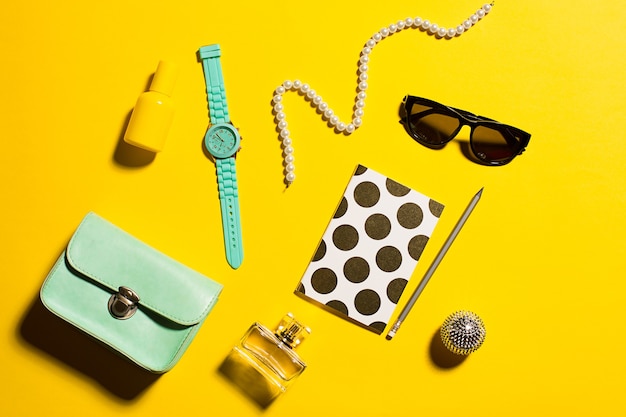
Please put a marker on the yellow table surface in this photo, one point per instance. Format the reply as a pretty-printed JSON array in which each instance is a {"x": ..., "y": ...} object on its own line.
[{"x": 541, "y": 260}]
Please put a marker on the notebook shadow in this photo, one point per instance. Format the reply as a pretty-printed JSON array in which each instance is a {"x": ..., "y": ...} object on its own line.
[{"x": 63, "y": 342}]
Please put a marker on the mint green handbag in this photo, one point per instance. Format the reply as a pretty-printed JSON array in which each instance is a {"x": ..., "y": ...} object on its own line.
[{"x": 134, "y": 299}]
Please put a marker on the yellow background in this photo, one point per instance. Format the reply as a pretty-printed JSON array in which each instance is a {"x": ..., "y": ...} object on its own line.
[{"x": 541, "y": 260}]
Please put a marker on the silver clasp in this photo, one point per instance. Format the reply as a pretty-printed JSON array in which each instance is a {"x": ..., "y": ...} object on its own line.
[{"x": 123, "y": 304}]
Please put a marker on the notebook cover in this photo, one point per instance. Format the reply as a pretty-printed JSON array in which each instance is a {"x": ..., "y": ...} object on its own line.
[{"x": 370, "y": 249}]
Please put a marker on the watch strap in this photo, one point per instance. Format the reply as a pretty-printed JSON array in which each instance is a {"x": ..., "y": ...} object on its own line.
[
  {"x": 229, "y": 203},
  {"x": 216, "y": 93}
]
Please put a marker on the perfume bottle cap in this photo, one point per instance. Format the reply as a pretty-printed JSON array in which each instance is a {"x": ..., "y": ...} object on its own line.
[
  {"x": 291, "y": 332},
  {"x": 164, "y": 78}
]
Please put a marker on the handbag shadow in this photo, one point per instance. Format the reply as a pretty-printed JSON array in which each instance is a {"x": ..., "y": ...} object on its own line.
[{"x": 57, "y": 338}]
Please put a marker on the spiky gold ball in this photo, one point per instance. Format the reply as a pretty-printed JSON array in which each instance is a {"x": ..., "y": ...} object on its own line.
[{"x": 463, "y": 332}]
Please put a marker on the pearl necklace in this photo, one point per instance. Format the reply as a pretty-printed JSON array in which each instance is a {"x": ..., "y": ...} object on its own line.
[{"x": 357, "y": 117}]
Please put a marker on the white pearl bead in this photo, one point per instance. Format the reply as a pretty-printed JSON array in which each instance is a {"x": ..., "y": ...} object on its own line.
[{"x": 362, "y": 85}]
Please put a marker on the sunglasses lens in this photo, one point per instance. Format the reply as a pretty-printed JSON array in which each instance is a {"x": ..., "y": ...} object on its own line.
[
  {"x": 430, "y": 127},
  {"x": 494, "y": 146}
]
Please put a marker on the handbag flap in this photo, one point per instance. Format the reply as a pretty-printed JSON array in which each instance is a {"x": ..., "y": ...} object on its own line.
[{"x": 113, "y": 258}]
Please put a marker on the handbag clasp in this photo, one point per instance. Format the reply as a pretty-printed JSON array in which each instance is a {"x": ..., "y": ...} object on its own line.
[{"x": 123, "y": 304}]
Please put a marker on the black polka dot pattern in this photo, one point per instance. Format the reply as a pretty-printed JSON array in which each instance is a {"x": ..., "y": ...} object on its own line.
[
  {"x": 377, "y": 226},
  {"x": 343, "y": 207},
  {"x": 370, "y": 248},
  {"x": 321, "y": 251},
  {"x": 345, "y": 237},
  {"x": 356, "y": 269},
  {"x": 324, "y": 281}
]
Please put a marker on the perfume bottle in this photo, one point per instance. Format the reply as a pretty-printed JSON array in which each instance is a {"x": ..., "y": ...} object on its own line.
[{"x": 264, "y": 363}]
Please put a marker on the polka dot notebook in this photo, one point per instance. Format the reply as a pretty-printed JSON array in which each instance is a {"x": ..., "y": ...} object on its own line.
[{"x": 370, "y": 249}]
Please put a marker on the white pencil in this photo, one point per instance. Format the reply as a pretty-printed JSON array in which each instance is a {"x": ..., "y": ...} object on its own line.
[{"x": 442, "y": 252}]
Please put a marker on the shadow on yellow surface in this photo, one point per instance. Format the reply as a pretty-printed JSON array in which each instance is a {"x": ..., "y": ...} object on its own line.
[
  {"x": 50, "y": 334},
  {"x": 249, "y": 381},
  {"x": 441, "y": 356}
]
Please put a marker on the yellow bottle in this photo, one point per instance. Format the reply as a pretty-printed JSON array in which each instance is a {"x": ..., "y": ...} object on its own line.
[
  {"x": 264, "y": 363},
  {"x": 154, "y": 111}
]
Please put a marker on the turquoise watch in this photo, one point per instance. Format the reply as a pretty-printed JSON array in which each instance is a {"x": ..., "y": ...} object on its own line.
[{"x": 222, "y": 140}]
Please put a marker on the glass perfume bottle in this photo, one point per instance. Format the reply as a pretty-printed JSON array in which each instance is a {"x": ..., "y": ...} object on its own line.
[{"x": 264, "y": 363}]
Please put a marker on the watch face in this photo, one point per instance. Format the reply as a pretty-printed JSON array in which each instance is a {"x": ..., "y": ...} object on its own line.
[{"x": 222, "y": 140}]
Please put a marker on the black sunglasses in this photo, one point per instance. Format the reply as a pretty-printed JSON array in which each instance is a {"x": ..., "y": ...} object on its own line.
[{"x": 433, "y": 125}]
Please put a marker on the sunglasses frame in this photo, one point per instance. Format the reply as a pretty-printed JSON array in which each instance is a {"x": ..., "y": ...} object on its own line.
[{"x": 465, "y": 118}]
